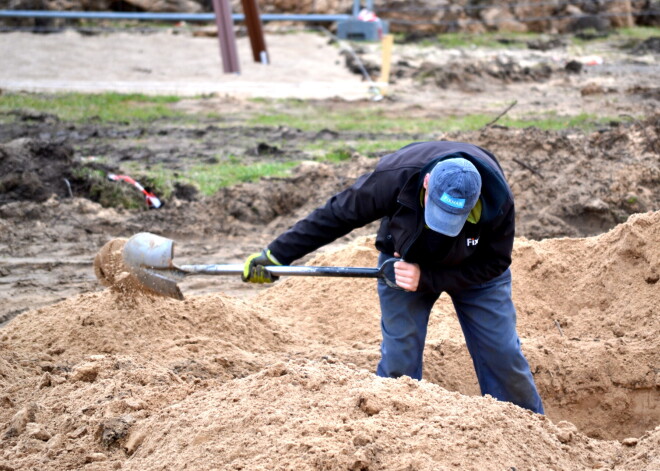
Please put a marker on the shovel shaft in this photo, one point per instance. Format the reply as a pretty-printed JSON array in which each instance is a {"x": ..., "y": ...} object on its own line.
[
  {"x": 236, "y": 269},
  {"x": 149, "y": 258}
]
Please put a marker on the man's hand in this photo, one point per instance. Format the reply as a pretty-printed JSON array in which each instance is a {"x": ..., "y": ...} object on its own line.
[
  {"x": 254, "y": 271},
  {"x": 407, "y": 275}
]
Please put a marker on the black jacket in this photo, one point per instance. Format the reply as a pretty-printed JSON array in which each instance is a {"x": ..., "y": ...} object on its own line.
[{"x": 391, "y": 193}]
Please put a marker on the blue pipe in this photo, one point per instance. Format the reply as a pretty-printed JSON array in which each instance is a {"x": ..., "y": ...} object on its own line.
[{"x": 102, "y": 15}]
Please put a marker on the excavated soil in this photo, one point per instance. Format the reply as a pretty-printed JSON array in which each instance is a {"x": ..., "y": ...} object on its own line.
[
  {"x": 566, "y": 184},
  {"x": 97, "y": 375},
  {"x": 107, "y": 381}
]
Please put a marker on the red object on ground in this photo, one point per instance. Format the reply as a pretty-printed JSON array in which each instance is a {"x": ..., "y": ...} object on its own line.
[{"x": 152, "y": 200}]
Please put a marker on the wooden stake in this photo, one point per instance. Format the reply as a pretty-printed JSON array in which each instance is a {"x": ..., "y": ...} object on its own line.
[{"x": 387, "y": 44}]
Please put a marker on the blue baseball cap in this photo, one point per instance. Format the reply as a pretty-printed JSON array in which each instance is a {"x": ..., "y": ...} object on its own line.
[{"x": 453, "y": 190}]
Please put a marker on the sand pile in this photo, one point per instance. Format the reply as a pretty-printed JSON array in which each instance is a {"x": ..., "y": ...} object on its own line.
[
  {"x": 332, "y": 311},
  {"x": 590, "y": 308},
  {"x": 211, "y": 336},
  {"x": 75, "y": 377},
  {"x": 311, "y": 415},
  {"x": 598, "y": 287},
  {"x": 592, "y": 352},
  {"x": 106, "y": 380},
  {"x": 58, "y": 416}
]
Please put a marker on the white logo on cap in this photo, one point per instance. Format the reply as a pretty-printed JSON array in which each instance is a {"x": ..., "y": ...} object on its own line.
[{"x": 453, "y": 202}]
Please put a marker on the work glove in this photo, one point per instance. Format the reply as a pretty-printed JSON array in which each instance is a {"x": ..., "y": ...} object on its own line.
[{"x": 254, "y": 271}]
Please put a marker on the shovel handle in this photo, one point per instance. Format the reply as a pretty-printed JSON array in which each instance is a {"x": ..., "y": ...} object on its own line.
[
  {"x": 236, "y": 269},
  {"x": 300, "y": 270}
]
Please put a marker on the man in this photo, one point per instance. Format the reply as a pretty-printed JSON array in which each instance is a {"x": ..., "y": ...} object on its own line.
[{"x": 447, "y": 211}]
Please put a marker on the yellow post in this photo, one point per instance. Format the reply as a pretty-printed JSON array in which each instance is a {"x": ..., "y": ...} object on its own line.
[{"x": 387, "y": 43}]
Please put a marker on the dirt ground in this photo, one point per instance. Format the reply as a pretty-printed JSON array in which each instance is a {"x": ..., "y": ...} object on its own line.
[{"x": 243, "y": 377}]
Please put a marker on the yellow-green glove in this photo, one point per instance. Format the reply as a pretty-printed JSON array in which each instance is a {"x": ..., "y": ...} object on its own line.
[{"x": 254, "y": 271}]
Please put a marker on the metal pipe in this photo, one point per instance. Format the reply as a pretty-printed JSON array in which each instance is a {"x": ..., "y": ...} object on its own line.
[
  {"x": 255, "y": 31},
  {"x": 103, "y": 15},
  {"x": 226, "y": 36},
  {"x": 356, "y": 7}
]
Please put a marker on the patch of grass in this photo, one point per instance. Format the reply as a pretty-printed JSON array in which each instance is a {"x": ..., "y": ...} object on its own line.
[
  {"x": 377, "y": 121},
  {"x": 338, "y": 155},
  {"x": 209, "y": 178},
  {"x": 583, "y": 121},
  {"x": 362, "y": 120},
  {"x": 639, "y": 32},
  {"x": 87, "y": 173},
  {"x": 378, "y": 147},
  {"x": 215, "y": 116},
  {"x": 548, "y": 122},
  {"x": 633, "y": 37},
  {"x": 333, "y": 152},
  {"x": 629, "y": 36},
  {"x": 116, "y": 195},
  {"x": 160, "y": 182},
  {"x": 519, "y": 40},
  {"x": 589, "y": 37},
  {"x": 260, "y": 100},
  {"x": 470, "y": 122},
  {"x": 104, "y": 107}
]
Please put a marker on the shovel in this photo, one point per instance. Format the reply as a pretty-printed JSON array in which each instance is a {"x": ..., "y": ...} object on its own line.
[{"x": 149, "y": 258}]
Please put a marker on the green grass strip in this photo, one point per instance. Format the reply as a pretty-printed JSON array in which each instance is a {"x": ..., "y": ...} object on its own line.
[
  {"x": 340, "y": 151},
  {"x": 311, "y": 119},
  {"x": 209, "y": 178},
  {"x": 104, "y": 107},
  {"x": 377, "y": 122}
]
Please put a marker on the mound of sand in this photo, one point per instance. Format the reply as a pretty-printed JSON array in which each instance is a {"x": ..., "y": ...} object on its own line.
[
  {"x": 590, "y": 305},
  {"x": 592, "y": 353},
  {"x": 577, "y": 288},
  {"x": 72, "y": 417},
  {"x": 106, "y": 380},
  {"x": 211, "y": 336},
  {"x": 332, "y": 310},
  {"x": 312, "y": 415}
]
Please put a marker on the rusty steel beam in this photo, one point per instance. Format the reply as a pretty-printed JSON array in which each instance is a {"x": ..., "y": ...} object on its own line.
[
  {"x": 253, "y": 23},
  {"x": 226, "y": 36}
]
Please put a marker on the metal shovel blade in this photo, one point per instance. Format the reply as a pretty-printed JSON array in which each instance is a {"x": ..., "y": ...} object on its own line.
[{"x": 149, "y": 258}]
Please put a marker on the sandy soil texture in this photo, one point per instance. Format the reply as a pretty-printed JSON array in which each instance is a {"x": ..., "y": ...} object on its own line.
[
  {"x": 165, "y": 63},
  {"x": 281, "y": 377},
  {"x": 108, "y": 380}
]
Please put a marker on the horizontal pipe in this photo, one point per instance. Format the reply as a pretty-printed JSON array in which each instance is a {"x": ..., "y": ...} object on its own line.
[{"x": 118, "y": 15}]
